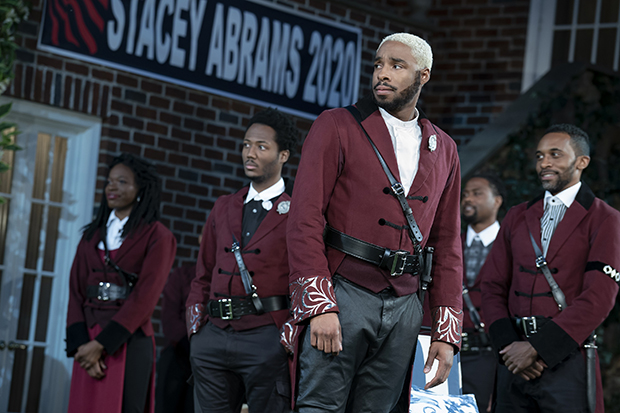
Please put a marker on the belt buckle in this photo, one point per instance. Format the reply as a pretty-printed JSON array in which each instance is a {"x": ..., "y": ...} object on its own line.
[
  {"x": 103, "y": 292},
  {"x": 226, "y": 306},
  {"x": 529, "y": 322},
  {"x": 398, "y": 263}
]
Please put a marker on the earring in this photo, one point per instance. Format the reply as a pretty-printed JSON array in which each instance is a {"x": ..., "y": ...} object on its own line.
[{"x": 138, "y": 199}]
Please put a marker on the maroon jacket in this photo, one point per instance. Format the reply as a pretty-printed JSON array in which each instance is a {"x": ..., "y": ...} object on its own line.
[
  {"x": 584, "y": 257},
  {"x": 148, "y": 252},
  {"x": 217, "y": 274},
  {"x": 340, "y": 181},
  {"x": 173, "y": 303}
]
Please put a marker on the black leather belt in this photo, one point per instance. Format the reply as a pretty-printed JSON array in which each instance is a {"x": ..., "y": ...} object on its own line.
[
  {"x": 105, "y": 291},
  {"x": 530, "y": 325},
  {"x": 474, "y": 341},
  {"x": 234, "y": 308},
  {"x": 396, "y": 262}
]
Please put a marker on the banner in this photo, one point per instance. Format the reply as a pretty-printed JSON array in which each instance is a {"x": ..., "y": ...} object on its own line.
[{"x": 251, "y": 51}]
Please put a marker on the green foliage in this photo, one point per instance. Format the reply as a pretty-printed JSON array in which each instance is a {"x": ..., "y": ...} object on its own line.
[
  {"x": 12, "y": 12},
  {"x": 8, "y": 131}
]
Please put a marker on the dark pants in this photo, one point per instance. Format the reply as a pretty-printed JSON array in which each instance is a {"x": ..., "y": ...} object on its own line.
[
  {"x": 478, "y": 370},
  {"x": 138, "y": 371},
  {"x": 228, "y": 363},
  {"x": 561, "y": 389},
  {"x": 379, "y": 333},
  {"x": 173, "y": 393}
]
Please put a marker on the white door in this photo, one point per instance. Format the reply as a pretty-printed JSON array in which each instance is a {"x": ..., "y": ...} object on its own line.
[{"x": 48, "y": 196}]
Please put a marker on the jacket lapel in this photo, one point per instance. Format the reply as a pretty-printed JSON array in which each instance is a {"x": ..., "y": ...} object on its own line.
[
  {"x": 427, "y": 157},
  {"x": 271, "y": 220},
  {"x": 532, "y": 220},
  {"x": 376, "y": 128},
  {"x": 573, "y": 216}
]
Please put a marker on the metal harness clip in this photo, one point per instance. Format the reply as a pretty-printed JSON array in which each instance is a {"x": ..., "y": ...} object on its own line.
[
  {"x": 398, "y": 189},
  {"x": 398, "y": 263},
  {"x": 226, "y": 309},
  {"x": 540, "y": 262}
]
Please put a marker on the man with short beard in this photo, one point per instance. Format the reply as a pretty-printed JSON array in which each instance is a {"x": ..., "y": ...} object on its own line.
[
  {"x": 481, "y": 199},
  {"x": 565, "y": 236},
  {"x": 238, "y": 300},
  {"x": 354, "y": 292}
]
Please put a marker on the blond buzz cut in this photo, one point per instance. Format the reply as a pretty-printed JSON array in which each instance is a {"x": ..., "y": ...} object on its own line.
[{"x": 420, "y": 49}]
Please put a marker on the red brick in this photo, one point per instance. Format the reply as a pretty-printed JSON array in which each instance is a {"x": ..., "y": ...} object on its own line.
[
  {"x": 203, "y": 113},
  {"x": 181, "y": 134},
  {"x": 177, "y": 159},
  {"x": 38, "y": 85},
  {"x": 43, "y": 60},
  {"x": 159, "y": 102},
  {"x": 210, "y": 180},
  {"x": 169, "y": 144},
  {"x": 68, "y": 91},
  {"x": 76, "y": 68},
  {"x": 103, "y": 75},
  {"x": 183, "y": 108},
  {"x": 145, "y": 112},
  {"x": 117, "y": 133},
  {"x": 96, "y": 98},
  {"x": 130, "y": 148},
  {"x": 187, "y": 201},
  {"x": 170, "y": 118},
  {"x": 121, "y": 106},
  {"x": 157, "y": 128},
  {"x": 47, "y": 96},
  {"x": 196, "y": 215},
  {"x": 194, "y": 124},
  {"x": 501, "y": 21},
  {"x": 173, "y": 211},
  {"x": 174, "y": 185},
  {"x": 203, "y": 139},
  {"x": 151, "y": 86},
  {"x": 175, "y": 92},
  {"x": 126, "y": 80},
  {"x": 154, "y": 154}
]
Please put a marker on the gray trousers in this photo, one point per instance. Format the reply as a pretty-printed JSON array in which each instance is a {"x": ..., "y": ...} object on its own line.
[
  {"x": 229, "y": 365},
  {"x": 379, "y": 333}
]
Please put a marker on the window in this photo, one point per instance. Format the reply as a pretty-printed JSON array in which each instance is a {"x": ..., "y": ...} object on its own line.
[{"x": 562, "y": 31}]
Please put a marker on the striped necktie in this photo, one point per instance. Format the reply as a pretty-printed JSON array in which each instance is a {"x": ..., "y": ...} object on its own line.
[{"x": 554, "y": 212}]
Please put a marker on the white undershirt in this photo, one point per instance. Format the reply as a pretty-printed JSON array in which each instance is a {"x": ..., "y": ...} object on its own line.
[{"x": 406, "y": 139}]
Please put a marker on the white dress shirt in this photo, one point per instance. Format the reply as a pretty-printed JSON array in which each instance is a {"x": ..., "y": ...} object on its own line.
[
  {"x": 114, "y": 229},
  {"x": 406, "y": 139},
  {"x": 567, "y": 196},
  {"x": 487, "y": 235},
  {"x": 274, "y": 190}
]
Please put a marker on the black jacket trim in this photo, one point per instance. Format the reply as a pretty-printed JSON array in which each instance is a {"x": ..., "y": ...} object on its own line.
[
  {"x": 502, "y": 333},
  {"x": 113, "y": 337},
  {"x": 366, "y": 106},
  {"x": 585, "y": 196},
  {"x": 77, "y": 334},
  {"x": 553, "y": 344}
]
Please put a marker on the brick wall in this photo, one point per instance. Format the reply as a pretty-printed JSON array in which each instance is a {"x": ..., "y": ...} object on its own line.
[{"x": 479, "y": 48}]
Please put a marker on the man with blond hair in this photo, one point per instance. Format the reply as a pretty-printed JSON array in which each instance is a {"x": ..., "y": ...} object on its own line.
[{"x": 358, "y": 237}]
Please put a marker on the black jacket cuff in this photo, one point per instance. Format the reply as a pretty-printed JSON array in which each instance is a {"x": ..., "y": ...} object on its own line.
[
  {"x": 77, "y": 334},
  {"x": 113, "y": 337},
  {"x": 502, "y": 333},
  {"x": 553, "y": 344}
]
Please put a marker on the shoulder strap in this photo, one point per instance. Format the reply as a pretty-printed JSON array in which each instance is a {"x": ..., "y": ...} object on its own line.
[
  {"x": 541, "y": 263},
  {"x": 129, "y": 277},
  {"x": 246, "y": 278},
  {"x": 397, "y": 188}
]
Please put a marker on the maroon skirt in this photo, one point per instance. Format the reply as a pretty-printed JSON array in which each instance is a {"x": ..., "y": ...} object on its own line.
[{"x": 105, "y": 395}]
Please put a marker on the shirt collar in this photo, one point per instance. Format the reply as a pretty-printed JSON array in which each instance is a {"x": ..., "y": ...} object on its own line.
[
  {"x": 567, "y": 196},
  {"x": 397, "y": 123},
  {"x": 114, "y": 219},
  {"x": 487, "y": 235},
  {"x": 271, "y": 192}
]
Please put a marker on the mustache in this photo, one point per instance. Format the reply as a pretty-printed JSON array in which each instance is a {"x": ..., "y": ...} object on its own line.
[{"x": 384, "y": 84}]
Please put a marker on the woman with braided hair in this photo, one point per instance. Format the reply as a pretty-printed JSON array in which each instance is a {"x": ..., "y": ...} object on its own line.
[{"x": 120, "y": 269}]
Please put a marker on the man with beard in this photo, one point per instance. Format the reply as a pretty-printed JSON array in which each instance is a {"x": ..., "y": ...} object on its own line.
[
  {"x": 567, "y": 237},
  {"x": 481, "y": 200},
  {"x": 239, "y": 299},
  {"x": 354, "y": 292}
]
